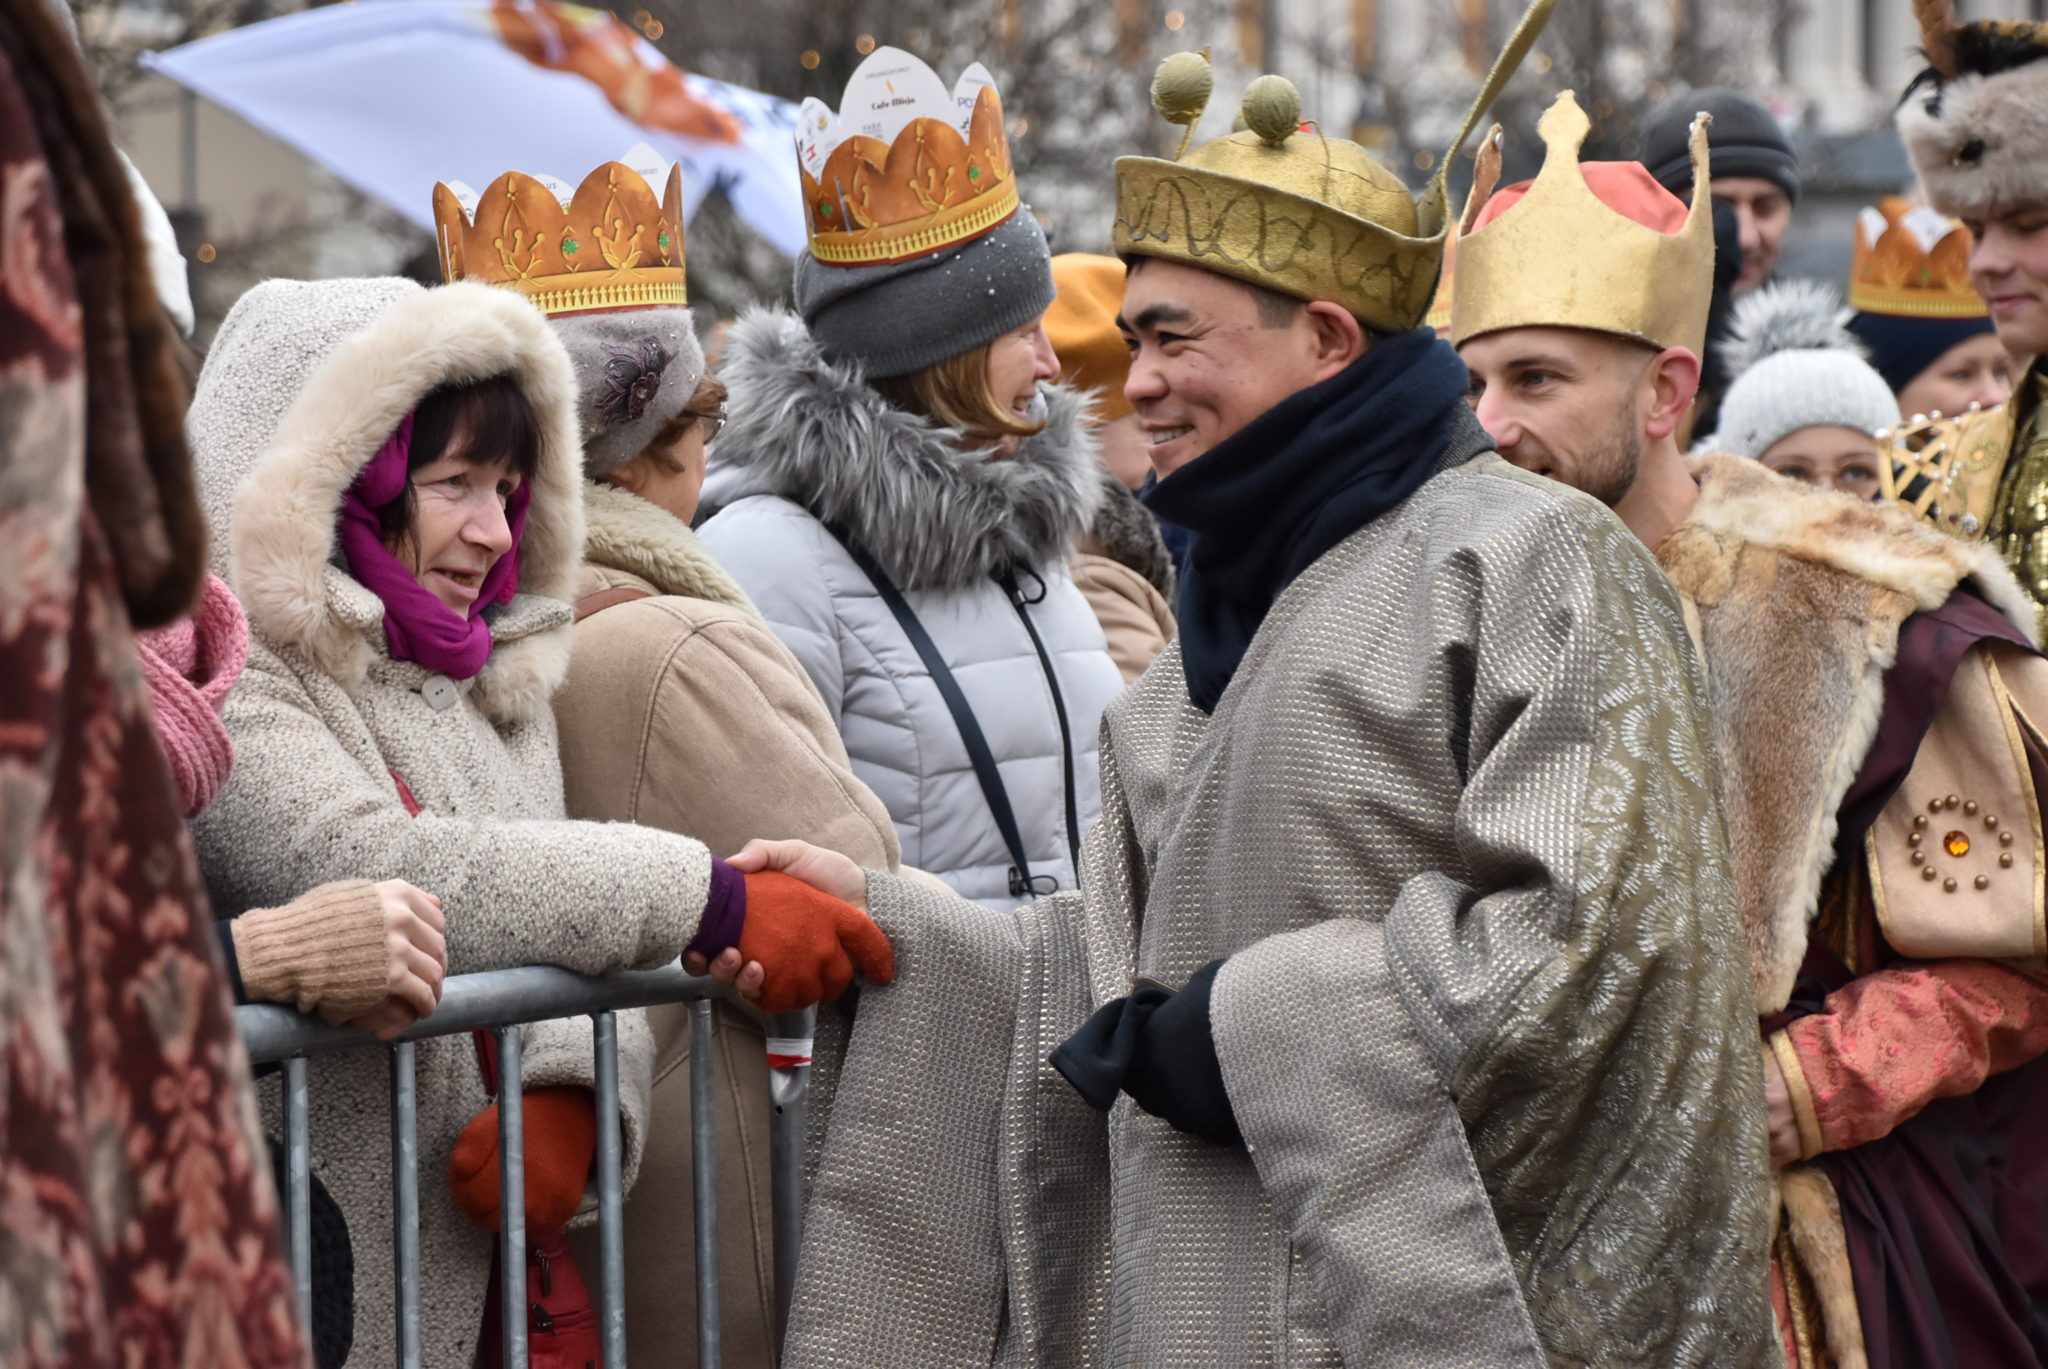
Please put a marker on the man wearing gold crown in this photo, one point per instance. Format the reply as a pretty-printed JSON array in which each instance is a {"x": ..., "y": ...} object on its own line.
[
  {"x": 1975, "y": 129},
  {"x": 1885, "y": 822},
  {"x": 1405, "y": 966}
]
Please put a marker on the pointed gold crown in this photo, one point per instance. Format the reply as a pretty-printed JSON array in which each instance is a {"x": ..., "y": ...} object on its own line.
[
  {"x": 1561, "y": 258},
  {"x": 1913, "y": 262},
  {"x": 612, "y": 245},
  {"x": 938, "y": 174},
  {"x": 1288, "y": 208}
]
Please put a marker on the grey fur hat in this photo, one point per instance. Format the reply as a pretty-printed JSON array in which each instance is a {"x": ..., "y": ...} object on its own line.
[
  {"x": 895, "y": 319},
  {"x": 635, "y": 370},
  {"x": 1796, "y": 365},
  {"x": 1975, "y": 125}
]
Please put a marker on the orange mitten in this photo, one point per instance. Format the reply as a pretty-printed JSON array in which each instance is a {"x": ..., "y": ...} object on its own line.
[
  {"x": 561, "y": 1142},
  {"x": 808, "y": 942}
]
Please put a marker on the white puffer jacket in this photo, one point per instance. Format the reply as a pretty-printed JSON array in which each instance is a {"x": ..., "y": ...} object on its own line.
[{"x": 808, "y": 440}]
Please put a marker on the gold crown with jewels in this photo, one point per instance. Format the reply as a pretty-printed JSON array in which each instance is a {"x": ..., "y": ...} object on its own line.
[{"x": 609, "y": 244}]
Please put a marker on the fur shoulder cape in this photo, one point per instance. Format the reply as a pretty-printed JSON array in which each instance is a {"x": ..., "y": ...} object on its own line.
[
  {"x": 282, "y": 525},
  {"x": 1801, "y": 595},
  {"x": 932, "y": 514}
]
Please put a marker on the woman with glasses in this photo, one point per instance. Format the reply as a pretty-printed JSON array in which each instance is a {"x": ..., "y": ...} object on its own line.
[{"x": 684, "y": 711}]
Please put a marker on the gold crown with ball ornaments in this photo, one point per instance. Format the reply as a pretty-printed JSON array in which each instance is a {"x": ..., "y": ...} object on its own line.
[{"x": 1289, "y": 208}]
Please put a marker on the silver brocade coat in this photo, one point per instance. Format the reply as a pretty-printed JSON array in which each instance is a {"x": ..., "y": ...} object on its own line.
[{"x": 1486, "y": 1023}]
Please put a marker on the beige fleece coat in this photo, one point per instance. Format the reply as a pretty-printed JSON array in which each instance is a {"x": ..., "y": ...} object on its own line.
[
  {"x": 684, "y": 711},
  {"x": 323, "y": 719}
]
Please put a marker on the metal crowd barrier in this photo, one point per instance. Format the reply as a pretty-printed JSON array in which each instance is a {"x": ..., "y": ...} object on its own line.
[{"x": 501, "y": 1001}]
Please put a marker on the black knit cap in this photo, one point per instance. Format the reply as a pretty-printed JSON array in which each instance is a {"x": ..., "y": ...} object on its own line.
[{"x": 1743, "y": 140}]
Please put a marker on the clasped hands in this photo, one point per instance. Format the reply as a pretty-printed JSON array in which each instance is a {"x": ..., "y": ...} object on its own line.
[{"x": 806, "y": 932}]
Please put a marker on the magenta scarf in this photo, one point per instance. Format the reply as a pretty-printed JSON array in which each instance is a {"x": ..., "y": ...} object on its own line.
[{"x": 418, "y": 626}]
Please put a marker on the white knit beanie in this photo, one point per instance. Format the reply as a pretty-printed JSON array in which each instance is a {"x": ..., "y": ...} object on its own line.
[{"x": 1796, "y": 365}]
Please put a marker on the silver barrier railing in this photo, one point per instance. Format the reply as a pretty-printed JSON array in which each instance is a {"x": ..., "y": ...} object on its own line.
[{"x": 501, "y": 1001}]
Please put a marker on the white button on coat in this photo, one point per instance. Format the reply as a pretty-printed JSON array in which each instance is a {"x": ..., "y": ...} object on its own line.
[{"x": 440, "y": 693}]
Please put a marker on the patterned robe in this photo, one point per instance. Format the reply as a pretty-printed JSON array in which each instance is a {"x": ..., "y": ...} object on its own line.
[
  {"x": 138, "y": 1219},
  {"x": 1484, "y": 1021}
]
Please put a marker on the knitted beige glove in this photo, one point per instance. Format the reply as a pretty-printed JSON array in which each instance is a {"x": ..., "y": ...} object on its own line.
[{"x": 324, "y": 952}]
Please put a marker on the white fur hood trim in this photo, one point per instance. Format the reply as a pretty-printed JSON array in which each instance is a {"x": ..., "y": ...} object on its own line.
[
  {"x": 1885, "y": 543},
  {"x": 932, "y": 514},
  {"x": 282, "y": 530}
]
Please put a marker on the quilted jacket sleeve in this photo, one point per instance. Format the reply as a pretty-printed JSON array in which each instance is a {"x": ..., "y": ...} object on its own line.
[{"x": 779, "y": 555}]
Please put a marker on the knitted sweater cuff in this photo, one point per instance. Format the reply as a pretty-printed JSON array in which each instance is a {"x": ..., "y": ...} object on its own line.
[
  {"x": 725, "y": 911},
  {"x": 323, "y": 952}
]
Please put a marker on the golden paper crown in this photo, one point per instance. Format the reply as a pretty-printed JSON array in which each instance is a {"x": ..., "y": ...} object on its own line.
[
  {"x": 613, "y": 246},
  {"x": 940, "y": 176},
  {"x": 1912, "y": 261},
  {"x": 1291, "y": 209},
  {"x": 1561, "y": 258}
]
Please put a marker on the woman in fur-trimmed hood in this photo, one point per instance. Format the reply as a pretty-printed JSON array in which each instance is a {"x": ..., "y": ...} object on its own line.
[
  {"x": 368, "y": 745},
  {"x": 927, "y": 442}
]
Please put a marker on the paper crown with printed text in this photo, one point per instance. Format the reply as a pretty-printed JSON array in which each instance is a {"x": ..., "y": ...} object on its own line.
[
  {"x": 1560, "y": 257},
  {"x": 1282, "y": 205},
  {"x": 905, "y": 167},
  {"x": 608, "y": 244},
  {"x": 1913, "y": 262}
]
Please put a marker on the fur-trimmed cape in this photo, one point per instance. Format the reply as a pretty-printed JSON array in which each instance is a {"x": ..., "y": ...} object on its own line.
[
  {"x": 1800, "y": 596},
  {"x": 932, "y": 514}
]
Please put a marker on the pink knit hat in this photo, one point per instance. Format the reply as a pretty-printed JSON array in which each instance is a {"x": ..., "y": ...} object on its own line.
[{"x": 191, "y": 665}]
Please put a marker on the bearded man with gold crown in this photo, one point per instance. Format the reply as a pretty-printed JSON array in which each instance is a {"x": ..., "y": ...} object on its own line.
[
  {"x": 1399, "y": 1019},
  {"x": 1877, "y": 701},
  {"x": 1975, "y": 125}
]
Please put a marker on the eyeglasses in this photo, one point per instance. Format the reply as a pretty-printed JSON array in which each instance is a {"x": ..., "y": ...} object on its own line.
[{"x": 711, "y": 424}]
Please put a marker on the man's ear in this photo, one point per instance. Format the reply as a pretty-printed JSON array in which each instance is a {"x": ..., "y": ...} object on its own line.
[
  {"x": 1337, "y": 338},
  {"x": 1671, "y": 380}
]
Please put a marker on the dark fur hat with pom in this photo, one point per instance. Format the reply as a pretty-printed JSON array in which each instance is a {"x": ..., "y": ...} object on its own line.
[{"x": 1975, "y": 123}]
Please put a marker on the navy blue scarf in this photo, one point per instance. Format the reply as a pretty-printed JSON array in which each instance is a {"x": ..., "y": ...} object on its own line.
[{"x": 1296, "y": 481}]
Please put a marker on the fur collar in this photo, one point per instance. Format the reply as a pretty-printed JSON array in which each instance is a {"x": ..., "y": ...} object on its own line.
[
  {"x": 283, "y": 521},
  {"x": 627, "y": 533},
  {"x": 1126, "y": 532},
  {"x": 1800, "y": 597},
  {"x": 817, "y": 434}
]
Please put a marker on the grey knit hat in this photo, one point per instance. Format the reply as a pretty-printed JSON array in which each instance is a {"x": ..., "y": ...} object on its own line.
[
  {"x": 635, "y": 370},
  {"x": 908, "y": 315},
  {"x": 1796, "y": 366},
  {"x": 1743, "y": 140}
]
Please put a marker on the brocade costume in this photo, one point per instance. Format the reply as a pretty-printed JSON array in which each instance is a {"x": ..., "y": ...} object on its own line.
[
  {"x": 1482, "y": 1021},
  {"x": 1879, "y": 727},
  {"x": 2018, "y": 526}
]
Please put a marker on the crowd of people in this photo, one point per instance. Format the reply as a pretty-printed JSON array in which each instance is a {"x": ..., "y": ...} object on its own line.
[{"x": 1353, "y": 783}]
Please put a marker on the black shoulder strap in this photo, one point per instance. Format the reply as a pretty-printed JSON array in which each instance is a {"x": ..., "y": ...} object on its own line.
[{"x": 978, "y": 753}]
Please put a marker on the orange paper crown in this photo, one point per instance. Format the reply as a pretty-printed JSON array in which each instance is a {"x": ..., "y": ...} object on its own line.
[
  {"x": 1912, "y": 261},
  {"x": 869, "y": 202},
  {"x": 613, "y": 247}
]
